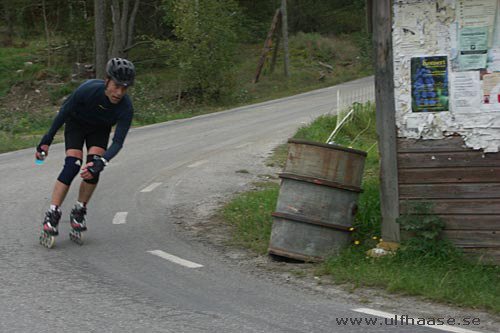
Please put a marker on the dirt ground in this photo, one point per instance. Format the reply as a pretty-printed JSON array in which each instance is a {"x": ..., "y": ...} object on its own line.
[{"x": 214, "y": 232}]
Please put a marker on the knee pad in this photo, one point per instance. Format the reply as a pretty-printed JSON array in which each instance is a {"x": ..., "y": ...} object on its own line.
[
  {"x": 91, "y": 158},
  {"x": 71, "y": 168}
]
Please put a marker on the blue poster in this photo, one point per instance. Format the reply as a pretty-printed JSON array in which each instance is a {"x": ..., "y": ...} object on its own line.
[{"x": 429, "y": 84}]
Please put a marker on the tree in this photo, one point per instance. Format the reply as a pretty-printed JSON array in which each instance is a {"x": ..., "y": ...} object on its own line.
[
  {"x": 206, "y": 33},
  {"x": 123, "y": 26},
  {"x": 100, "y": 38},
  {"x": 8, "y": 14}
]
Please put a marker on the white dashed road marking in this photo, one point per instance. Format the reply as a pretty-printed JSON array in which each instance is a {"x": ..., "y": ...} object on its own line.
[
  {"x": 120, "y": 218},
  {"x": 175, "y": 259},
  {"x": 151, "y": 187},
  {"x": 196, "y": 164},
  {"x": 446, "y": 328}
]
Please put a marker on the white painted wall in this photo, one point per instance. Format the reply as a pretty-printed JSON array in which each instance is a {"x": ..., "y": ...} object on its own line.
[{"x": 430, "y": 28}]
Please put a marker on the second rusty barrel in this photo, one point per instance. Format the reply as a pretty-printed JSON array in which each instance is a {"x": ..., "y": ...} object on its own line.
[{"x": 317, "y": 202}]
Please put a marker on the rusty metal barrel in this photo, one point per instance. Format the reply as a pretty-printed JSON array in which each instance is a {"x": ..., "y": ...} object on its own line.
[{"x": 317, "y": 202}]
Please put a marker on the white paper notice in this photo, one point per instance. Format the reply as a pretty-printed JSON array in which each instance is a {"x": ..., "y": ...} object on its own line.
[
  {"x": 415, "y": 26},
  {"x": 476, "y": 13},
  {"x": 466, "y": 92}
]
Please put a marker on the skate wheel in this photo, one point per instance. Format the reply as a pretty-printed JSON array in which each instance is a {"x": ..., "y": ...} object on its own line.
[
  {"x": 47, "y": 240},
  {"x": 76, "y": 236}
]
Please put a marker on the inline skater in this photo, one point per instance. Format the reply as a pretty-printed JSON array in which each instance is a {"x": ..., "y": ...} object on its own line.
[{"x": 88, "y": 114}]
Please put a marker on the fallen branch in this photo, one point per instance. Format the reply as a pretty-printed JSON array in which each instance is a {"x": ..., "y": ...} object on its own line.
[
  {"x": 137, "y": 44},
  {"x": 330, "y": 67}
]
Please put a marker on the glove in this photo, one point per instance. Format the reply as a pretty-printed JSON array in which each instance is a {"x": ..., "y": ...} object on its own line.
[
  {"x": 46, "y": 140},
  {"x": 97, "y": 167}
]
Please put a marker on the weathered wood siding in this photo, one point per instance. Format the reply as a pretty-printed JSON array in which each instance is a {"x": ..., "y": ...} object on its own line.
[{"x": 464, "y": 185}]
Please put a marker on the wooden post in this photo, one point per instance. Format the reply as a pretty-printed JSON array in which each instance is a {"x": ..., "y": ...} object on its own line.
[
  {"x": 267, "y": 46},
  {"x": 386, "y": 118},
  {"x": 284, "y": 28},
  {"x": 275, "y": 48}
]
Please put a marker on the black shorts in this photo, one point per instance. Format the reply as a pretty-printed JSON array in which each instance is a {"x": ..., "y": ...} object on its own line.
[{"x": 76, "y": 133}]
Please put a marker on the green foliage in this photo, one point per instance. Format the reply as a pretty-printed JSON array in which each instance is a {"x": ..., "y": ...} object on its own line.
[
  {"x": 11, "y": 61},
  {"x": 80, "y": 41},
  {"x": 425, "y": 229},
  {"x": 312, "y": 46},
  {"x": 363, "y": 41},
  {"x": 10, "y": 142},
  {"x": 328, "y": 17},
  {"x": 250, "y": 213},
  {"x": 56, "y": 93},
  {"x": 148, "y": 107},
  {"x": 206, "y": 43},
  {"x": 20, "y": 122}
]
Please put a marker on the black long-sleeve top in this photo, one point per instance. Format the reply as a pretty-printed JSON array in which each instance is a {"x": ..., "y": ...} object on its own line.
[{"x": 90, "y": 106}]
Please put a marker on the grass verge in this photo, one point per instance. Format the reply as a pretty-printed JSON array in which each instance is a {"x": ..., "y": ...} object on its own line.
[{"x": 434, "y": 270}]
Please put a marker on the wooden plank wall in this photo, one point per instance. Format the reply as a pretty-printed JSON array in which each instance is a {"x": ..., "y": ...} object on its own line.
[{"x": 463, "y": 183}]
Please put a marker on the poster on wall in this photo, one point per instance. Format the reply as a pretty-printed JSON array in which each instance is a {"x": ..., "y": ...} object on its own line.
[
  {"x": 477, "y": 14},
  {"x": 476, "y": 33},
  {"x": 466, "y": 96},
  {"x": 473, "y": 48},
  {"x": 491, "y": 92},
  {"x": 429, "y": 84}
]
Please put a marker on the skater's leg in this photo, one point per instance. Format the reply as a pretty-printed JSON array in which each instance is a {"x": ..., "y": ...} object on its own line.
[
  {"x": 85, "y": 192},
  {"x": 64, "y": 181},
  {"x": 87, "y": 188},
  {"x": 59, "y": 193}
]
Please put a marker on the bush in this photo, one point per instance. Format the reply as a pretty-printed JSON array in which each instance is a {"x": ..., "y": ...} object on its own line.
[{"x": 206, "y": 44}]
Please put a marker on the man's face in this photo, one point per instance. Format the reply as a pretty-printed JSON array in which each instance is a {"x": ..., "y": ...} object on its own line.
[{"x": 114, "y": 91}]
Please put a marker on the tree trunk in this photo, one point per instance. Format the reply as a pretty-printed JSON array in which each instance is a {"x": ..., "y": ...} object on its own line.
[
  {"x": 47, "y": 33},
  {"x": 123, "y": 27},
  {"x": 123, "y": 23},
  {"x": 117, "y": 31},
  {"x": 284, "y": 28},
  {"x": 131, "y": 24},
  {"x": 100, "y": 38},
  {"x": 9, "y": 19}
]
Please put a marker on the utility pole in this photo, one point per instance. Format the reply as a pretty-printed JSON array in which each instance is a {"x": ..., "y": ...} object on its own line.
[
  {"x": 284, "y": 28},
  {"x": 385, "y": 115}
]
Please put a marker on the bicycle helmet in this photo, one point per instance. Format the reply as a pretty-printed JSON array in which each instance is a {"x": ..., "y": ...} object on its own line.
[{"x": 121, "y": 71}]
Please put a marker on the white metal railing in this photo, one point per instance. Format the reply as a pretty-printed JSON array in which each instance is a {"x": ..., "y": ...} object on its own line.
[{"x": 347, "y": 98}]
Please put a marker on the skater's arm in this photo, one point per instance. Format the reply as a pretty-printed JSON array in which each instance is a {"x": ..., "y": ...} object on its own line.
[
  {"x": 58, "y": 121},
  {"x": 68, "y": 106},
  {"x": 121, "y": 131}
]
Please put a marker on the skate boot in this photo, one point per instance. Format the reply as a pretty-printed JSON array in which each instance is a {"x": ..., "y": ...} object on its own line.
[
  {"x": 78, "y": 225},
  {"x": 49, "y": 228}
]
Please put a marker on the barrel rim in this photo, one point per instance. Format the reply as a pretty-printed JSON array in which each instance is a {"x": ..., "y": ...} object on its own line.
[
  {"x": 327, "y": 145},
  {"x": 293, "y": 255},
  {"x": 302, "y": 219},
  {"x": 320, "y": 181}
]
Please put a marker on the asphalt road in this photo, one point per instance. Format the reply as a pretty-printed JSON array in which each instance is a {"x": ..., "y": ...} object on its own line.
[{"x": 122, "y": 278}]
